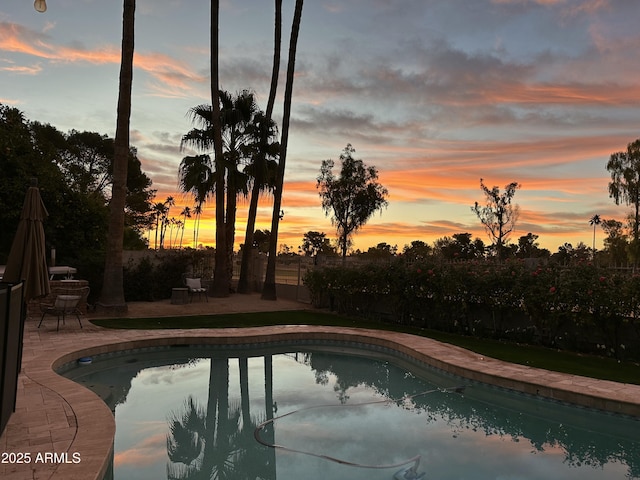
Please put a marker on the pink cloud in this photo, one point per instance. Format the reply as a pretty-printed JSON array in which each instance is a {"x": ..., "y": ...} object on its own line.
[
  {"x": 172, "y": 76},
  {"x": 145, "y": 453}
]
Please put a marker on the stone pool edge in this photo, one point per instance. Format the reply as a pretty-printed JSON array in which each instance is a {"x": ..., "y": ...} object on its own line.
[{"x": 92, "y": 415}]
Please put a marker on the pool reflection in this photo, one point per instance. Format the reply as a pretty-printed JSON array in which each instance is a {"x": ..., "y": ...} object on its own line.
[{"x": 207, "y": 406}]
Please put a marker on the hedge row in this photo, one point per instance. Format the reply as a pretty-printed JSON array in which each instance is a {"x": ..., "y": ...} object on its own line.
[{"x": 582, "y": 308}]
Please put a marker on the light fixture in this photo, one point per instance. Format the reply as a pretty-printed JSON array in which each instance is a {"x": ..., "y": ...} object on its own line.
[{"x": 40, "y": 5}]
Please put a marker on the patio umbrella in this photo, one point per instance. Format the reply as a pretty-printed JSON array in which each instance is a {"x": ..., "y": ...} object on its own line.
[{"x": 27, "y": 258}]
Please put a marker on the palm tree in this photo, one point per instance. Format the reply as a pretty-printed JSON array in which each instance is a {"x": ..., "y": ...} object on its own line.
[
  {"x": 261, "y": 167},
  {"x": 269, "y": 289},
  {"x": 220, "y": 286},
  {"x": 262, "y": 171},
  {"x": 218, "y": 441},
  {"x": 594, "y": 221},
  {"x": 175, "y": 226},
  {"x": 203, "y": 442},
  {"x": 198, "y": 175},
  {"x": 112, "y": 294},
  {"x": 186, "y": 213},
  {"x": 269, "y": 406},
  {"x": 161, "y": 214},
  {"x": 195, "y": 175},
  {"x": 197, "y": 211},
  {"x": 237, "y": 116},
  {"x": 168, "y": 203},
  {"x": 159, "y": 210},
  {"x": 254, "y": 462}
]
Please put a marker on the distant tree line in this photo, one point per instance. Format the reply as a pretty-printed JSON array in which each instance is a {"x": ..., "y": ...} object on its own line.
[{"x": 462, "y": 247}]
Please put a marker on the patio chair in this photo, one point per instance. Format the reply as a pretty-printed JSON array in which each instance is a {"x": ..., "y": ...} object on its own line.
[
  {"x": 195, "y": 288},
  {"x": 66, "y": 302}
]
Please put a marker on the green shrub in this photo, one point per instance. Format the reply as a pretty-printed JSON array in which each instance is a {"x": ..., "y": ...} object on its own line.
[
  {"x": 152, "y": 277},
  {"x": 581, "y": 308}
]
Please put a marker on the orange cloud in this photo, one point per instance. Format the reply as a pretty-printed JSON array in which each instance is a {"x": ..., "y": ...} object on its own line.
[
  {"x": 563, "y": 94},
  {"x": 172, "y": 75},
  {"x": 145, "y": 453}
]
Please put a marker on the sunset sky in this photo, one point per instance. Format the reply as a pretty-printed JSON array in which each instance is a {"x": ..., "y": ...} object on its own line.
[{"x": 435, "y": 93}]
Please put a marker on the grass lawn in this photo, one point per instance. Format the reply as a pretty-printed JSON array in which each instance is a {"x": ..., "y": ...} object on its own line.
[{"x": 559, "y": 361}]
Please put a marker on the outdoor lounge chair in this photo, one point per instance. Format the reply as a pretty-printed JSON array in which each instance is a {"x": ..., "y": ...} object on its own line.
[
  {"x": 66, "y": 302},
  {"x": 195, "y": 288}
]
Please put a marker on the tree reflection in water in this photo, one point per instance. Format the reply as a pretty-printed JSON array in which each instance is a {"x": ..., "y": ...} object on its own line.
[
  {"x": 214, "y": 439},
  {"x": 554, "y": 428},
  {"x": 217, "y": 442}
]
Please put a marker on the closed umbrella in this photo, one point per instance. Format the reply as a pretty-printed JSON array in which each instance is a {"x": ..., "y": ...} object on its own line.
[
  {"x": 27, "y": 261},
  {"x": 27, "y": 258}
]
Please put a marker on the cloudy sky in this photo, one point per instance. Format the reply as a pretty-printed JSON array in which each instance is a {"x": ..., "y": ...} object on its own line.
[{"x": 436, "y": 94}]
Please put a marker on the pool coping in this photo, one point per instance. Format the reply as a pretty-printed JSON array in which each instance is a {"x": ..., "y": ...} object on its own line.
[{"x": 87, "y": 413}]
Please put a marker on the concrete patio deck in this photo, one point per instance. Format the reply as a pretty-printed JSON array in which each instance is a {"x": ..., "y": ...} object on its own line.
[{"x": 62, "y": 431}]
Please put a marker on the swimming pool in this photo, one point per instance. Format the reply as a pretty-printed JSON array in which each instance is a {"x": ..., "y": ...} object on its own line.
[{"x": 184, "y": 409}]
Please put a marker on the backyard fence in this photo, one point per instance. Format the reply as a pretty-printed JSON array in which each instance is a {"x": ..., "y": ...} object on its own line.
[{"x": 11, "y": 332}]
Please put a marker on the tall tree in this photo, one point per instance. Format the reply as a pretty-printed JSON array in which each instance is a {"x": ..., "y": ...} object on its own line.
[
  {"x": 197, "y": 174},
  {"x": 314, "y": 243},
  {"x": 261, "y": 166},
  {"x": 418, "y": 251},
  {"x": 75, "y": 177},
  {"x": 352, "y": 198},
  {"x": 616, "y": 243},
  {"x": 89, "y": 160},
  {"x": 595, "y": 221},
  {"x": 262, "y": 173},
  {"x": 498, "y": 215},
  {"x": 159, "y": 212},
  {"x": 238, "y": 140},
  {"x": 197, "y": 211},
  {"x": 185, "y": 213},
  {"x": 112, "y": 295},
  {"x": 269, "y": 288},
  {"x": 220, "y": 286},
  {"x": 166, "y": 221},
  {"x": 624, "y": 187},
  {"x": 460, "y": 246},
  {"x": 220, "y": 274},
  {"x": 528, "y": 247}
]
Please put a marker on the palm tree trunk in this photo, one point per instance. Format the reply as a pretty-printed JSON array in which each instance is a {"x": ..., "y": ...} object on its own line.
[
  {"x": 221, "y": 439},
  {"x": 196, "y": 231},
  {"x": 155, "y": 246},
  {"x": 247, "y": 254},
  {"x": 112, "y": 295},
  {"x": 220, "y": 281},
  {"x": 269, "y": 404},
  {"x": 230, "y": 230},
  {"x": 269, "y": 288},
  {"x": 243, "y": 365}
]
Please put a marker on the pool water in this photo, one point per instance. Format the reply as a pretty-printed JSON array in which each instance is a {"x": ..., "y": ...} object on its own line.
[{"x": 338, "y": 412}]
